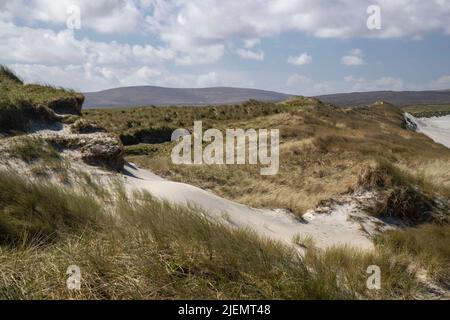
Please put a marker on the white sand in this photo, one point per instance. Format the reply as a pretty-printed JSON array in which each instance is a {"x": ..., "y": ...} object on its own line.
[
  {"x": 326, "y": 229},
  {"x": 437, "y": 128}
]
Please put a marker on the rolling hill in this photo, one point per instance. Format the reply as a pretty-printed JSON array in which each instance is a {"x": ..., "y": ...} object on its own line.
[
  {"x": 161, "y": 96},
  {"x": 150, "y": 95},
  {"x": 398, "y": 98}
]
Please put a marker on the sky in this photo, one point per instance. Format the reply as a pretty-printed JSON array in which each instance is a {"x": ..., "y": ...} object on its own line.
[{"x": 307, "y": 47}]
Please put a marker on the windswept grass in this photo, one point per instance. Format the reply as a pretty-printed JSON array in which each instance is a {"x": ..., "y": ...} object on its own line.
[
  {"x": 39, "y": 213},
  {"x": 404, "y": 196},
  {"x": 7, "y": 74},
  {"x": 153, "y": 250},
  {"x": 428, "y": 245},
  {"x": 156, "y": 124}
]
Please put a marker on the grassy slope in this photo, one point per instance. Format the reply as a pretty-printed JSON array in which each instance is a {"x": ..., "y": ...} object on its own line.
[
  {"x": 18, "y": 100},
  {"x": 159, "y": 251},
  {"x": 323, "y": 150}
]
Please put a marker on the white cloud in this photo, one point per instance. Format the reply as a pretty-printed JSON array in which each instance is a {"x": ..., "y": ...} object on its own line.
[
  {"x": 199, "y": 29},
  {"x": 250, "y": 43},
  {"x": 301, "y": 85},
  {"x": 185, "y": 25},
  {"x": 88, "y": 77},
  {"x": 44, "y": 46},
  {"x": 250, "y": 54},
  {"x": 442, "y": 83},
  {"x": 341, "y": 19},
  {"x": 353, "y": 58},
  {"x": 196, "y": 27},
  {"x": 252, "y": 50},
  {"x": 193, "y": 32},
  {"x": 105, "y": 16},
  {"x": 200, "y": 55},
  {"x": 383, "y": 83},
  {"x": 207, "y": 80},
  {"x": 300, "y": 60},
  {"x": 296, "y": 80}
]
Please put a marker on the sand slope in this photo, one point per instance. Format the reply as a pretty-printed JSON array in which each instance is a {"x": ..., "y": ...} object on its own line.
[
  {"x": 437, "y": 128},
  {"x": 340, "y": 226}
]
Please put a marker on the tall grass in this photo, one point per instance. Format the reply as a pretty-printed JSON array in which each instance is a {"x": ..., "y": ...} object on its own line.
[
  {"x": 428, "y": 245},
  {"x": 154, "y": 250},
  {"x": 35, "y": 212},
  {"x": 402, "y": 195},
  {"x": 7, "y": 74}
]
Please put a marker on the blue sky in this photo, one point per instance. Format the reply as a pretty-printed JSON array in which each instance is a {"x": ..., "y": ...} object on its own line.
[{"x": 307, "y": 47}]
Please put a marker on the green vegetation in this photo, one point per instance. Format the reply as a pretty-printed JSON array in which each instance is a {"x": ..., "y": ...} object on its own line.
[
  {"x": 428, "y": 245},
  {"x": 20, "y": 102},
  {"x": 38, "y": 213},
  {"x": 82, "y": 126},
  {"x": 157, "y": 123},
  {"x": 427, "y": 111},
  {"x": 32, "y": 149},
  {"x": 7, "y": 74},
  {"x": 323, "y": 152},
  {"x": 404, "y": 196},
  {"x": 150, "y": 249},
  {"x": 136, "y": 247}
]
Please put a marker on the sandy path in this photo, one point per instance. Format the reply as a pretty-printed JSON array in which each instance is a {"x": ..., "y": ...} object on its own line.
[{"x": 327, "y": 229}]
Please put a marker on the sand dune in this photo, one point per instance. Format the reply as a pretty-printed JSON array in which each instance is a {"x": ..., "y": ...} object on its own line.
[
  {"x": 327, "y": 229},
  {"x": 342, "y": 223},
  {"x": 437, "y": 128},
  {"x": 345, "y": 223}
]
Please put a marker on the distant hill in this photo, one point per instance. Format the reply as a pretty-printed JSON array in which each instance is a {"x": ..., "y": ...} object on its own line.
[
  {"x": 398, "y": 98},
  {"x": 150, "y": 95},
  {"x": 160, "y": 96}
]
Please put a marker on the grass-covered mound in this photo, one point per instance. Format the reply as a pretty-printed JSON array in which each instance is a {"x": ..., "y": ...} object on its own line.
[
  {"x": 404, "y": 196},
  {"x": 21, "y": 103},
  {"x": 324, "y": 151}
]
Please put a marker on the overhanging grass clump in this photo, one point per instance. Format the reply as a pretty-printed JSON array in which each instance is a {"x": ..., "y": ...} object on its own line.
[
  {"x": 401, "y": 195},
  {"x": 20, "y": 103}
]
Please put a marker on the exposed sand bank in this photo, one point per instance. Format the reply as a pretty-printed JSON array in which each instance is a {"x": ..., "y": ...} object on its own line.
[
  {"x": 344, "y": 224},
  {"x": 437, "y": 128}
]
